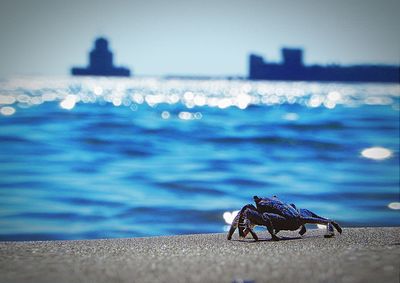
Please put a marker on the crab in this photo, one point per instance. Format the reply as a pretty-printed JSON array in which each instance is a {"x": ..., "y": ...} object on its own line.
[{"x": 277, "y": 215}]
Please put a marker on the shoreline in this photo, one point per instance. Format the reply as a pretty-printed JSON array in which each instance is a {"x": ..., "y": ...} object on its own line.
[{"x": 358, "y": 255}]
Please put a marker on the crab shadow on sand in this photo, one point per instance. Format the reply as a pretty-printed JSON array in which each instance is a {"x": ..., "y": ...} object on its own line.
[
  {"x": 249, "y": 240},
  {"x": 282, "y": 239}
]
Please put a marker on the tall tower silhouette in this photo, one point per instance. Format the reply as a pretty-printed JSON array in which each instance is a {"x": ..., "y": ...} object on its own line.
[{"x": 101, "y": 62}]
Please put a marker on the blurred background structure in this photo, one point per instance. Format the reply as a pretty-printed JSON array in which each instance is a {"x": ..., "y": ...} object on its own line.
[
  {"x": 201, "y": 38},
  {"x": 293, "y": 69},
  {"x": 101, "y": 62}
]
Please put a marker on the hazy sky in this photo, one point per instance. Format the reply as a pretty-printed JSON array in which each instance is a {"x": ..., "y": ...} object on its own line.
[{"x": 207, "y": 37}]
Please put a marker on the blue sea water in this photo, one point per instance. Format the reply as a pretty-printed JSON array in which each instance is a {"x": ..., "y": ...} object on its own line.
[{"x": 108, "y": 158}]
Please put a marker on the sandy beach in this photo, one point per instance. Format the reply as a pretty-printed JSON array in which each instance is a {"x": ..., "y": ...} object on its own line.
[{"x": 358, "y": 255}]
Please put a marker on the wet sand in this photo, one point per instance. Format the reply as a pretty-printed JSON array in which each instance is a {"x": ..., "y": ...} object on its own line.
[{"x": 358, "y": 255}]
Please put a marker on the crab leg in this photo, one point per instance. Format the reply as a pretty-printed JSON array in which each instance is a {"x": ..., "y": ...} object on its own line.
[
  {"x": 266, "y": 219},
  {"x": 312, "y": 218},
  {"x": 303, "y": 230}
]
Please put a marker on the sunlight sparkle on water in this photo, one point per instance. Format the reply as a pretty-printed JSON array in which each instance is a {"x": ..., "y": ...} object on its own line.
[
  {"x": 222, "y": 94},
  {"x": 165, "y": 115},
  {"x": 229, "y": 216},
  {"x": 98, "y": 90},
  {"x": 7, "y": 111},
  {"x": 243, "y": 100},
  {"x": 184, "y": 115},
  {"x": 200, "y": 100},
  {"x": 394, "y": 205},
  {"x": 291, "y": 116},
  {"x": 329, "y": 104},
  {"x": 138, "y": 98},
  {"x": 69, "y": 102},
  {"x": 315, "y": 101},
  {"x": 117, "y": 101},
  {"x": 7, "y": 99},
  {"x": 224, "y": 103},
  {"x": 376, "y": 153},
  {"x": 334, "y": 96}
]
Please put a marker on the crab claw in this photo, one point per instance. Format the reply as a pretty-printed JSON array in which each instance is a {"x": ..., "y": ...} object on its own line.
[
  {"x": 245, "y": 224},
  {"x": 231, "y": 231}
]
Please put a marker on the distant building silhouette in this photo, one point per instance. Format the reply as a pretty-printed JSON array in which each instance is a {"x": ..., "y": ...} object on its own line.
[
  {"x": 292, "y": 69},
  {"x": 101, "y": 62}
]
